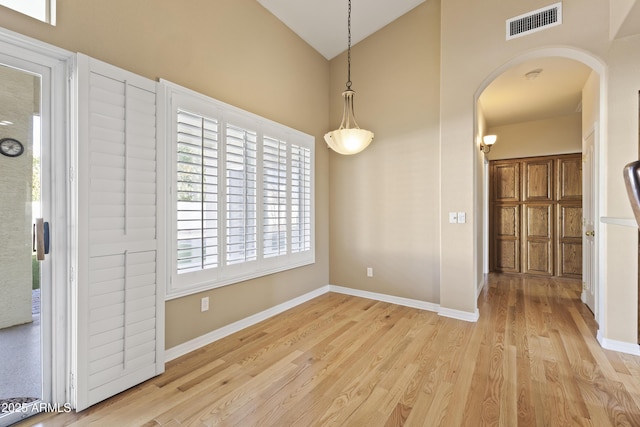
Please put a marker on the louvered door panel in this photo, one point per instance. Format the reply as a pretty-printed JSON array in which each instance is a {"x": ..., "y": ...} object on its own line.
[
  {"x": 122, "y": 161},
  {"x": 120, "y": 324}
]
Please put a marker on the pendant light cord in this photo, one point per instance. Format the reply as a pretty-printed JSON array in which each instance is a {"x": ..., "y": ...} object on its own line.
[{"x": 349, "y": 49}]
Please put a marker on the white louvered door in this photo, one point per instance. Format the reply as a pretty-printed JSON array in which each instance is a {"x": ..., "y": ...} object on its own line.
[{"x": 119, "y": 305}]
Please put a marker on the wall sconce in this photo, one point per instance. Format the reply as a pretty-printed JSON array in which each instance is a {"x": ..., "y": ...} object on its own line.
[{"x": 487, "y": 142}]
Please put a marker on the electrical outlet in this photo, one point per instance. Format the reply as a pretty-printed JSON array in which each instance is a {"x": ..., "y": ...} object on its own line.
[
  {"x": 204, "y": 304},
  {"x": 369, "y": 272},
  {"x": 453, "y": 217},
  {"x": 462, "y": 217}
]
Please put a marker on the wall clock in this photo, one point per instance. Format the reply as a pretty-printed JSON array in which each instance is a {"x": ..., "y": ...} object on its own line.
[{"x": 11, "y": 147}]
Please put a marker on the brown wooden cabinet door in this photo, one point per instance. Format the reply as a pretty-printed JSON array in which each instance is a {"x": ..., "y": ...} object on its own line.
[
  {"x": 537, "y": 180},
  {"x": 506, "y": 238},
  {"x": 569, "y": 177},
  {"x": 537, "y": 236},
  {"x": 569, "y": 248},
  {"x": 505, "y": 182},
  {"x": 536, "y": 215}
]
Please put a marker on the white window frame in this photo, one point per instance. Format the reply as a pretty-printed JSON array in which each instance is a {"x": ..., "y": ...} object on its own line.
[{"x": 173, "y": 97}]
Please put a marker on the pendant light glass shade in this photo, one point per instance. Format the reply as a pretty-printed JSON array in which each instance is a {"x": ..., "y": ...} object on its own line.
[{"x": 348, "y": 138}]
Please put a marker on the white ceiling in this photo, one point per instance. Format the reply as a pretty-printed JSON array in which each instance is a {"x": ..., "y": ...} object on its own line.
[
  {"x": 323, "y": 23},
  {"x": 511, "y": 98}
]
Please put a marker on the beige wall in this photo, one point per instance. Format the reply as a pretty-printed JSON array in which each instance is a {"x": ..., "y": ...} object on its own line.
[
  {"x": 469, "y": 59},
  {"x": 232, "y": 50},
  {"x": 384, "y": 203},
  {"x": 556, "y": 135},
  {"x": 581, "y": 36},
  {"x": 621, "y": 259},
  {"x": 16, "y": 91}
]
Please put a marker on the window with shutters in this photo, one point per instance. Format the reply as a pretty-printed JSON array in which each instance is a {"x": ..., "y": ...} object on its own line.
[
  {"x": 196, "y": 192},
  {"x": 241, "y": 236},
  {"x": 274, "y": 197},
  {"x": 241, "y": 190}
]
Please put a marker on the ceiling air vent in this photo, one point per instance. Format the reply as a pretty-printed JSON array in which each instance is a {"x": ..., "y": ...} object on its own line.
[{"x": 537, "y": 20}]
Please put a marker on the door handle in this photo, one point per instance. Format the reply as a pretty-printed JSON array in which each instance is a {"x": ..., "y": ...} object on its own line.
[
  {"x": 590, "y": 233},
  {"x": 41, "y": 238}
]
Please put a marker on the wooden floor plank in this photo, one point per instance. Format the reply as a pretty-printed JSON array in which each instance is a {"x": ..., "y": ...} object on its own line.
[{"x": 532, "y": 359}]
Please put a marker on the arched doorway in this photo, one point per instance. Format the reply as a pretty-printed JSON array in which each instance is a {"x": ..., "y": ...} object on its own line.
[{"x": 592, "y": 132}]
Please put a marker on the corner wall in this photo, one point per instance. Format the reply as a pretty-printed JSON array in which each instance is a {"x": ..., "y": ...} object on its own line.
[{"x": 385, "y": 201}]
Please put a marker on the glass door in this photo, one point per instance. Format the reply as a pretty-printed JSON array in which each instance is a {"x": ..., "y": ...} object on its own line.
[{"x": 21, "y": 283}]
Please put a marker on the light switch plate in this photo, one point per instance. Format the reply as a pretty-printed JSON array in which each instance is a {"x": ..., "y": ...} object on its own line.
[
  {"x": 453, "y": 217},
  {"x": 462, "y": 217}
]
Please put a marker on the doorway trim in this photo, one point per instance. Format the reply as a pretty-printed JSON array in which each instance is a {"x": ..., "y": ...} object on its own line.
[
  {"x": 599, "y": 67},
  {"x": 58, "y": 134}
]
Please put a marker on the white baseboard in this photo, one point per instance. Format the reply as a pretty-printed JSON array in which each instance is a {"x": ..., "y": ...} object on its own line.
[
  {"x": 208, "y": 338},
  {"x": 620, "y": 346},
  {"x": 407, "y": 302},
  {"x": 460, "y": 315}
]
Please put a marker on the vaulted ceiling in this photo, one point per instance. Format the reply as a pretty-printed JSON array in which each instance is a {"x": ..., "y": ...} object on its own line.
[
  {"x": 511, "y": 98},
  {"x": 323, "y": 23}
]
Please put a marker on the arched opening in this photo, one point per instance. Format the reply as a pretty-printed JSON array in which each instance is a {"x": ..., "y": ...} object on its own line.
[{"x": 512, "y": 105}]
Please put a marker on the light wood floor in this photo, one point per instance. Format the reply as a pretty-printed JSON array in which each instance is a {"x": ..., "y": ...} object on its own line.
[{"x": 531, "y": 360}]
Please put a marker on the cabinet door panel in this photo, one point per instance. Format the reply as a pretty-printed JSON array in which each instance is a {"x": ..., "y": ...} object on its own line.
[
  {"x": 538, "y": 180},
  {"x": 538, "y": 239},
  {"x": 538, "y": 258},
  {"x": 508, "y": 256},
  {"x": 506, "y": 244},
  {"x": 506, "y": 182},
  {"x": 570, "y": 260},
  {"x": 569, "y": 240},
  {"x": 569, "y": 178}
]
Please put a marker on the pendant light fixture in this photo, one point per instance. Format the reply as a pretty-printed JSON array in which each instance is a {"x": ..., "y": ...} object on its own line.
[{"x": 348, "y": 138}]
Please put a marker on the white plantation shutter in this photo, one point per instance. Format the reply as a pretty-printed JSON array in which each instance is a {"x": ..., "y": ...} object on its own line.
[
  {"x": 243, "y": 194},
  {"x": 301, "y": 185},
  {"x": 119, "y": 336},
  {"x": 241, "y": 197},
  {"x": 274, "y": 197},
  {"x": 197, "y": 192}
]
